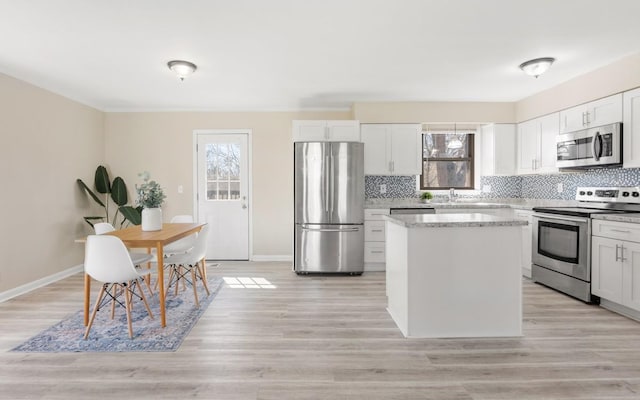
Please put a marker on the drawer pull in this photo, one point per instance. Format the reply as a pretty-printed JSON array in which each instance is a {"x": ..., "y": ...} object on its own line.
[
  {"x": 376, "y": 230},
  {"x": 620, "y": 231},
  {"x": 377, "y": 251}
]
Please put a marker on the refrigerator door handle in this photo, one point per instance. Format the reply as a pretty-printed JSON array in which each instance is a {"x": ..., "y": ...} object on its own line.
[
  {"x": 326, "y": 184},
  {"x": 306, "y": 228},
  {"x": 332, "y": 182}
]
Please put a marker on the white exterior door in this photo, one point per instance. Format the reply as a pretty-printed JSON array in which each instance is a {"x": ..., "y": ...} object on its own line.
[{"x": 222, "y": 175}]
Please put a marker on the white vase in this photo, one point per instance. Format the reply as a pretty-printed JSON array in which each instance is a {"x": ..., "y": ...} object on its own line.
[{"x": 151, "y": 219}]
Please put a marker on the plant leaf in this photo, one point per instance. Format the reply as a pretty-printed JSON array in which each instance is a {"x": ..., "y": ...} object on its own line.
[
  {"x": 90, "y": 220},
  {"x": 102, "y": 180},
  {"x": 93, "y": 195},
  {"x": 119, "y": 192},
  {"x": 132, "y": 215}
]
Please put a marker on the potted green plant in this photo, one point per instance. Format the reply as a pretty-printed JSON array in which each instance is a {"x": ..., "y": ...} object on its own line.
[
  {"x": 150, "y": 198},
  {"x": 107, "y": 192},
  {"x": 426, "y": 197}
]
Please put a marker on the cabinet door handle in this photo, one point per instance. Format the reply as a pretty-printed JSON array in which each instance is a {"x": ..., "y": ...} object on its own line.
[
  {"x": 583, "y": 119},
  {"x": 617, "y": 247},
  {"x": 619, "y": 230},
  {"x": 622, "y": 253},
  {"x": 588, "y": 119}
]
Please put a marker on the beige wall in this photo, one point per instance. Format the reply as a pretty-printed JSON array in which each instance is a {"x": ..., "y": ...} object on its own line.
[
  {"x": 161, "y": 143},
  {"x": 46, "y": 142},
  {"x": 433, "y": 112},
  {"x": 613, "y": 78}
]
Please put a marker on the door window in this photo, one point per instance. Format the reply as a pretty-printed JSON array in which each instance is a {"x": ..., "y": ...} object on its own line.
[{"x": 223, "y": 171}]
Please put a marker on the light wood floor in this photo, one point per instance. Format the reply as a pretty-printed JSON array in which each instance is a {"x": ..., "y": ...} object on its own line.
[{"x": 328, "y": 338}]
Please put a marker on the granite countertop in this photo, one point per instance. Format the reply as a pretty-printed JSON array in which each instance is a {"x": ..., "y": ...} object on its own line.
[
  {"x": 520, "y": 204},
  {"x": 633, "y": 217},
  {"x": 452, "y": 220}
]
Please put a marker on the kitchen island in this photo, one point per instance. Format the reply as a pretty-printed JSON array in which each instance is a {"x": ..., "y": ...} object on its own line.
[{"x": 454, "y": 275}]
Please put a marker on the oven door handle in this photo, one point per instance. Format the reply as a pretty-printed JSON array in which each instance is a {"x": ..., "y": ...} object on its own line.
[{"x": 555, "y": 217}]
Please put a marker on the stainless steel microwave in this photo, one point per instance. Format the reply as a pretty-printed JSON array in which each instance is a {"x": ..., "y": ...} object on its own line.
[{"x": 590, "y": 148}]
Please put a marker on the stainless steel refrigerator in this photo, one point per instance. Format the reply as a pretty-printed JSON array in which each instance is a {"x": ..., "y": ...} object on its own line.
[{"x": 329, "y": 207}]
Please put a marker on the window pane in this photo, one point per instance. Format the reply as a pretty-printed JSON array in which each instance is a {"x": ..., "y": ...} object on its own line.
[
  {"x": 223, "y": 190},
  {"x": 212, "y": 190},
  {"x": 234, "y": 190},
  {"x": 446, "y": 174},
  {"x": 445, "y": 145}
]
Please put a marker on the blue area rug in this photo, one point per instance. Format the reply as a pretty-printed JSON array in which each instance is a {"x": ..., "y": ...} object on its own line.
[{"x": 109, "y": 335}]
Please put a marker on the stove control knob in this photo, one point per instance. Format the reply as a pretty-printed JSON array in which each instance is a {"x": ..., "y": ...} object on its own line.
[
  {"x": 582, "y": 192},
  {"x": 635, "y": 194},
  {"x": 589, "y": 193},
  {"x": 625, "y": 194}
]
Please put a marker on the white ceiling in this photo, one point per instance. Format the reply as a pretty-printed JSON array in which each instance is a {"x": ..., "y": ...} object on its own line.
[{"x": 303, "y": 54}]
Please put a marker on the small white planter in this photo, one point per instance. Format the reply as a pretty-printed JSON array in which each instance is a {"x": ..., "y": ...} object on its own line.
[{"x": 151, "y": 219}]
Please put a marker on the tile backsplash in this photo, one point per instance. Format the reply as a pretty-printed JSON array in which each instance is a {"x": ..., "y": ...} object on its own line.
[{"x": 522, "y": 186}]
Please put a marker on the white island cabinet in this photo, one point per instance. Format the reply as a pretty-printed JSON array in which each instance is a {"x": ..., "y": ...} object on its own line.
[{"x": 454, "y": 275}]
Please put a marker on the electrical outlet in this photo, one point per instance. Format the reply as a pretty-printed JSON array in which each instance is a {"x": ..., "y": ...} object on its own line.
[
  {"x": 383, "y": 188},
  {"x": 486, "y": 188},
  {"x": 560, "y": 187}
]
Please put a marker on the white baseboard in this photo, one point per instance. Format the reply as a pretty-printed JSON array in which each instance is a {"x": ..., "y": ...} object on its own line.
[
  {"x": 258, "y": 257},
  {"x": 11, "y": 293},
  {"x": 620, "y": 309}
]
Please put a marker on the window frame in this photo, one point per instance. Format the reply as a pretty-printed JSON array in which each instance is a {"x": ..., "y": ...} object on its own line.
[{"x": 471, "y": 159}]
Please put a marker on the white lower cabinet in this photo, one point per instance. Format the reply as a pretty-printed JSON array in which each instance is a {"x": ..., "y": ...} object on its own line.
[
  {"x": 615, "y": 266},
  {"x": 374, "y": 239}
]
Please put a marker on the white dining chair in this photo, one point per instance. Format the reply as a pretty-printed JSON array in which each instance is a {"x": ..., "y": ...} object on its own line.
[
  {"x": 181, "y": 245},
  {"x": 137, "y": 258},
  {"x": 107, "y": 260},
  {"x": 190, "y": 263}
]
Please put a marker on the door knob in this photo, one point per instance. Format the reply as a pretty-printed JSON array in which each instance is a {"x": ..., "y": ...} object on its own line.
[{"x": 244, "y": 206}]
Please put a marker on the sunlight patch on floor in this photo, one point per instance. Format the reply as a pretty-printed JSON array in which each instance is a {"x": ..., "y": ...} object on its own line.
[{"x": 248, "y": 283}]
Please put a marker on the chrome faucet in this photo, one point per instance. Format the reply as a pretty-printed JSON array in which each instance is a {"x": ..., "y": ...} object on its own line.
[{"x": 452, "y": 194}]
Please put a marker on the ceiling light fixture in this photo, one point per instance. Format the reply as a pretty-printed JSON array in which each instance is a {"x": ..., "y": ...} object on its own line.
[
  {"x": 182, "y": 68},
  {"x": 537, "y": 67}
]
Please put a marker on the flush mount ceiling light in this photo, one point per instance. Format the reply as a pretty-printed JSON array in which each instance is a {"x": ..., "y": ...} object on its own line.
[
  {"x": 182, "y": 68},
  {"x": 537, "y": 67}
]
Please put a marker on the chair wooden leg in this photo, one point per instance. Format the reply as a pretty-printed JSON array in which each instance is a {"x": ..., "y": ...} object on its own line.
[
  {"x": 178, "y": 272},
  {"x": 144, "y": 300},
  {"x": 193, "y": 284},
  {"x": 93, "y": 314},
  {"x": 147, "y": 281},
  {"x": 204, "y": 269},
  {"x": 128, "y": 310},
  {"x": 203, "y": 276},
  {"x": 114, "y": 293},
  {"x": 171, "y": 272}
]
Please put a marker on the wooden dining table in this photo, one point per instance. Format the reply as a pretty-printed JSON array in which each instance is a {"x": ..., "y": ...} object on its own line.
[{"x": 135, "y": 237}]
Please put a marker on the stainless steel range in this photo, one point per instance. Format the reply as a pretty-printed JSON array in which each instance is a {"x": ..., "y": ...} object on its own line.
[{"x": 561, "y": 256}]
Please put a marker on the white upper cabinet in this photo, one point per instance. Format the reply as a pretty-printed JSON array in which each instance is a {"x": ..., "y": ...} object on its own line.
[
  {"x": 498, "y": 144},
  {"x": 537, "y": 145},
  {"x": 392, "y": 149},
  {"x": 596, "y": 113},
  {"x": 631, "y": 129},
  {"x": 326, "y": 131}
]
